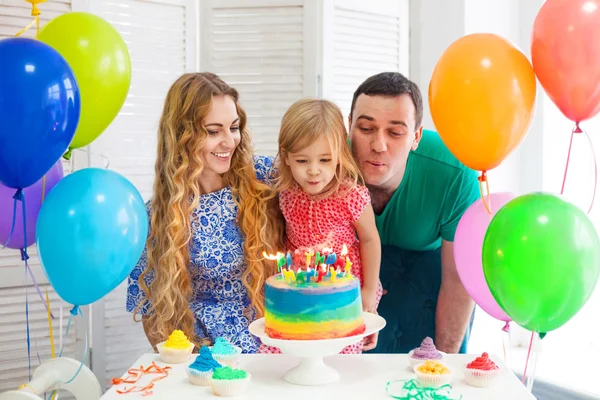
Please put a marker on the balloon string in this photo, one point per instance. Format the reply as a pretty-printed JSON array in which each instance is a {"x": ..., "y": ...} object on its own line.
[
  {"x": 17, "y": 196},
  {"x": 527, "y": 359},
  {"x": 25, "y": 258},
  {"x": 22, "y": 31},
  {"x": 486, "y": 203},
  {"x": 595, "y": 171},
  {"x": 575, "y": 130},
  {"x": 43, "y": 188},
  {"x": 35, "y": 13}
]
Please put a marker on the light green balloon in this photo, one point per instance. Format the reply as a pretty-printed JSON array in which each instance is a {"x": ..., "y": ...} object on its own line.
[
  {"x": 541, "y": 260},
  {"x": 101, "y": 64}
]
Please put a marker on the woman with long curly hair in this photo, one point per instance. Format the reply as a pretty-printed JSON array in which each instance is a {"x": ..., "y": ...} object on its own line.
[{"x": 211, "y": 217}]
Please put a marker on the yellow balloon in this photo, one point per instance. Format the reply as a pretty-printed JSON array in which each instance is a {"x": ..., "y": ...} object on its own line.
[
  {"x": 101, "y": 64},
  {"x": 482, "y": 96}
]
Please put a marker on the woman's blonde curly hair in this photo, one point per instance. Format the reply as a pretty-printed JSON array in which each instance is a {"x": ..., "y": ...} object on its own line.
[{"x": 176, "y": 194}]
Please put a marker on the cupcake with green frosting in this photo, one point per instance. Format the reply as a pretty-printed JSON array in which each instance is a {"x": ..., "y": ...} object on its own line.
[
  {"x": 201, "y": 370},
  {"x": 229, "y": 382},
  {"x": 224, "y": 352}
]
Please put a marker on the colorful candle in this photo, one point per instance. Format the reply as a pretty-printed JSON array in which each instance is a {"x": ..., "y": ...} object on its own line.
[
  {"x": 319, "y": 259},
  {"x": 333, "y": 273},
  {"x": 297, "y": 258},
  {"x": 280, "y": 262},
  {"x": 322, "y": 273},
  {"x": 289, "y": 275},
  {"x": 347, "y": 271},
  {"x": 300, "y": 275},
  {"x": 331, "y": 259},
  {"x": 308, "y": 257},
  {"x": 289, "y": 259}
]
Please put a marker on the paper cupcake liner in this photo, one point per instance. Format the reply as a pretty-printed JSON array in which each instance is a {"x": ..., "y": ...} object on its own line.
[
  {"x": 230, "y": 388},
  {"x": 227, "y": 359},
  {"x": 480, "y": 378},
  {"x": 413, "y": 362},
  {"x": 174, "y": 356},
  {"x": 433, "y": 380},
  {"x": 199, "y": 378}
]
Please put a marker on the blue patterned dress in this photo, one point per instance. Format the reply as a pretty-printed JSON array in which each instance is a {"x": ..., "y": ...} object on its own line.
[{"x": 217, "y": 263}]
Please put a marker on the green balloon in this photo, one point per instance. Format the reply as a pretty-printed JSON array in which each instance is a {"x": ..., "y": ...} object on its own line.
[
  {"x": 100, "y": 60},
  {"x": 541, "y": 260}
]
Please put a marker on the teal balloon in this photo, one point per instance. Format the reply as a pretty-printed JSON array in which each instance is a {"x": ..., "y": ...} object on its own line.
[
  {"x": 90, "y": 234},
  {"x": 541, "y": 260}
]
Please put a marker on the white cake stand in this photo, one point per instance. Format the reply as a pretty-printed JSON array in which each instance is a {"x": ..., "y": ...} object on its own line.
[{"x": 312, "y": 371}]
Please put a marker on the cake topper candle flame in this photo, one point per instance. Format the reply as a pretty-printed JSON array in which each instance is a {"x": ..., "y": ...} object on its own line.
[
  {"x": 280, "y": 257},
  {"x": 344, "y": 252}
]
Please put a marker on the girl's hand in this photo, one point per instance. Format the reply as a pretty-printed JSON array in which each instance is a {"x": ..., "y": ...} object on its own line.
[{"x": 369, "y": 299}]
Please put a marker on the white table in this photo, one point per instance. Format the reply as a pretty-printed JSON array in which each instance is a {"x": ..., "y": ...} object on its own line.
[{"x": 362, "y": 377}]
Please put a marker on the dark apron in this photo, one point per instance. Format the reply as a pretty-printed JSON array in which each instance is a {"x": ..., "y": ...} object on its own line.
[{"x": 412, "y": 280}]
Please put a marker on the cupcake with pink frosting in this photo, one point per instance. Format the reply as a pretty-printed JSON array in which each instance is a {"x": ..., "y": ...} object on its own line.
[
  {"x": 426, "y": 351},
  {"x": 482, "y": 371}
]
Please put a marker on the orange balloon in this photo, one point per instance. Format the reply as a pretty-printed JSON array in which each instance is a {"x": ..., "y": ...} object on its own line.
[{"x": 481, "y": 96}]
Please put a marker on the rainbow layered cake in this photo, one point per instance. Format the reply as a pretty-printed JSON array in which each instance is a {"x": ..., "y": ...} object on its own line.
[{"x": 313, "y": 303}]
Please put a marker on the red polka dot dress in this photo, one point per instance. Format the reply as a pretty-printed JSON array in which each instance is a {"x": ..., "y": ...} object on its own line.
[{"x": 317, "y": 222}]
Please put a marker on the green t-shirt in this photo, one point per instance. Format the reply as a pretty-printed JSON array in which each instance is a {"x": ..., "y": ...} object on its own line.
[{"x": 434, "y": 193}]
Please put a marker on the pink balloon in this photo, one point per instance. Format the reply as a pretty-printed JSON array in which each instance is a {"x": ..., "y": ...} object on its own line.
[{"x": 468, "y": 245}]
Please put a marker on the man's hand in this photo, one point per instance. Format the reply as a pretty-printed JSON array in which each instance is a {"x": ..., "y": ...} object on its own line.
[{"x": 369, "y": 299}]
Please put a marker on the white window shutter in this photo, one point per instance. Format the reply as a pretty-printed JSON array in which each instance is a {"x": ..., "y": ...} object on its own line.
[
  {"x": 161, "y": 36},
  {"x": 14, "y": 16},
  {"x": 260, "y": 48},
  {"x": 360, "y": 39}
]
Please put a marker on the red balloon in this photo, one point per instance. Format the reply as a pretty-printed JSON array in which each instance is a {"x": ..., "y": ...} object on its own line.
[{"x": 565, "y": 52}]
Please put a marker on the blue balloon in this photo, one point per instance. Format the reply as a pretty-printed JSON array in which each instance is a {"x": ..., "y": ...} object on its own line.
[
  {"x": 39, "y": 110},
  {"x": 90, "y": 234}
]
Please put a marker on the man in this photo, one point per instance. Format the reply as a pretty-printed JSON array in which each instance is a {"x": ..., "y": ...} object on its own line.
[{"x": 419, "y": 192}]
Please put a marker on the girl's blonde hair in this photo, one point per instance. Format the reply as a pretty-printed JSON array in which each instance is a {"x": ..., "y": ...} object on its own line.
[
  {"x": 178, "y": 167},
  {"x": 303, "y": 123}
]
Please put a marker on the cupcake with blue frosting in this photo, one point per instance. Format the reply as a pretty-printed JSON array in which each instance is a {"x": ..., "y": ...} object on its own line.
[
  {"x": 201, "y": 370},
  {"x": 224, "y": 352}
]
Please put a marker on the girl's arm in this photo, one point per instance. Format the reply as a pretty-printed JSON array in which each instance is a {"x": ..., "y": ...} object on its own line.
[{"x": 370, "y": 256}]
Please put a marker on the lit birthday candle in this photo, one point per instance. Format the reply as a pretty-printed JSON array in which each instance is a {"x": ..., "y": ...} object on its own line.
[
  {"x": 279, "y": 257},
  {"x": 347, "y": 270},
  {"x": 289, "y": 260}
]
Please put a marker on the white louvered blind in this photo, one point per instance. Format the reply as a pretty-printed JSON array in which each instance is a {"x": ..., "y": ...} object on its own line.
[
  {"x": 14, "y": 16},
  {"x": 258, "y": 48},
  {"x": 161, "y": 38},
  {"x": 361, "y": 39}
]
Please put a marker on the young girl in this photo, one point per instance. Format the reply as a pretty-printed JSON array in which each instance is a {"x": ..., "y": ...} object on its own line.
[
  {"x": 210, "y": 219},
  {"x": 322, "y": 197}
]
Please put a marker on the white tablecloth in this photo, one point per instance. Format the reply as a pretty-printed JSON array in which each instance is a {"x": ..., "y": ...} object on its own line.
[{"x": 362, "y": 377}]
